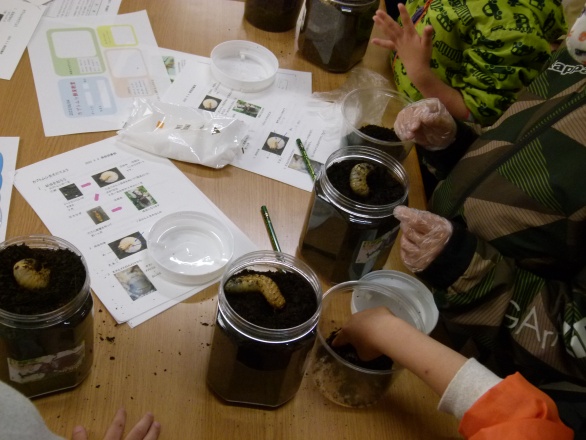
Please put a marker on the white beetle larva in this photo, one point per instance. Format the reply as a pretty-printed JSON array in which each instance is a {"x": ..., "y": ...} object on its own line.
[
  {"x": 257, "y": 283},
  {"x": 29, "y": 274},
  {"x": 358, "y": 176}
]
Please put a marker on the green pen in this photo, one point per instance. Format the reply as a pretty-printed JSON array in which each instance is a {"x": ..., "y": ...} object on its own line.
[{"x": 306, "y": 159}]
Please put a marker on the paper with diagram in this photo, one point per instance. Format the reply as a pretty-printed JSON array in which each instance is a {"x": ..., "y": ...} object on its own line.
[
  {"x": 87, "y": 70},
  {"x": 104, "y": 198},
  {"x": 276, "y": 117},
  {"x": 18, "y": 21}
]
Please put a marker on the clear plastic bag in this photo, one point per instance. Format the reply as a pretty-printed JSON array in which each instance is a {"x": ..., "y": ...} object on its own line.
[{"x": 183, "y": 133}]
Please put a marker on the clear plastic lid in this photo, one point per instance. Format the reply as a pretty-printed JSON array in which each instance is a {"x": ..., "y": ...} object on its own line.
[
  {"x": 409, "y": 288},
  {"x": 190, "y": 247},
  {"x": 244, "y": 65}
]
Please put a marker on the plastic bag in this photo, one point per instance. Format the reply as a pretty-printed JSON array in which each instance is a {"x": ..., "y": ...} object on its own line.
[
  {"x": 183, "y": 133},
  {"x": 358, "y": 78},
  {"x": 328, "y": 105}
]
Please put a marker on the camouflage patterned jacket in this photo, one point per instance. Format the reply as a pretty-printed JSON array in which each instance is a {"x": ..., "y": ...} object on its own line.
[
  {"x": 511, "y": 282},
  {"x": 486, "y": 49}
]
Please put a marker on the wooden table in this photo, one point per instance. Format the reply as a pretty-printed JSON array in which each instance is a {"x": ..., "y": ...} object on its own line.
[{"x": 161, "y": 365}]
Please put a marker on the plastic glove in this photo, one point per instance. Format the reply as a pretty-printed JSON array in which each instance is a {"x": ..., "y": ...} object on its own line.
[
  {"x": 424, "y": 236},
  {"x": 427, "y": 123}
]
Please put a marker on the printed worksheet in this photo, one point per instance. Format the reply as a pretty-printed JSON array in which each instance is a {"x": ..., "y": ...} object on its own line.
[
  {"x": 18, "y": 20},
  {"x": 276, "y": 117},
  {"x": 8, "y": 153},
  {"x": 88, "y": 70},
  {"x": 81, "y": 8},
  {"x": 104, "y": 198}
]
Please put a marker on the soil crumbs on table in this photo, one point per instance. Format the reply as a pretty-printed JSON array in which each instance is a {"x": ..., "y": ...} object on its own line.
[
  {"x": 300, "y": 301},
  {"x": 67, "y": 277}
]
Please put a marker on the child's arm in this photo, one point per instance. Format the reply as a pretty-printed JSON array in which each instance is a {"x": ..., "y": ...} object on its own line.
[
  {"x": 415, "y": 53},
  {"x": 377, "y": 331},
  {"x": 490, "y": 408}
]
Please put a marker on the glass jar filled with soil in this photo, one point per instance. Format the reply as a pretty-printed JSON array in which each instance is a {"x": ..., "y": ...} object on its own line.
[
  {"x": 273, "y": 15},
  {"x": 350, "y": 228},
  {"x": 369, "y": 116},
  {"x": 335, "y": 33},
  {"x": 46, "y": 315},
  {"x": 338, "y": 372},
  {"x": 268, "y": 308}
]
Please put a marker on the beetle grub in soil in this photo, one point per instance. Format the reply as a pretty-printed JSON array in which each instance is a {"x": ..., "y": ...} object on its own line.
[
  {"x": 300, "y": 301},
  {"x": 384, "y": 187},
  {"x": 67, "y": 277}
]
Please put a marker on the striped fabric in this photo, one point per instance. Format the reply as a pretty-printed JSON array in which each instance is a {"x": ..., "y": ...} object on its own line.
[{"x": 520, "y": 191}]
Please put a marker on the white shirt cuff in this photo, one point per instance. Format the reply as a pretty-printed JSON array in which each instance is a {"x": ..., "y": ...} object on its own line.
[{"x": 470, "y": 382}]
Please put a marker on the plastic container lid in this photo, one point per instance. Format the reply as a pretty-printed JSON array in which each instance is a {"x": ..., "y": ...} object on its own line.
[
  {"x": 190, "y": 247},
  {"x": 244, "y": 65},
  {"x": 410, "y": 289}
]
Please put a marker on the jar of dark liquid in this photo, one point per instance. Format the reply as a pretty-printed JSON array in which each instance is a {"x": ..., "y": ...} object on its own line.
[
  {"x": 347, "y": 235},
  {"x": 335, "y": 33},
  {"x": 259, "y": 353},
  {"x": 272, "y": 15},
  {"x": 46, "y": 332}
]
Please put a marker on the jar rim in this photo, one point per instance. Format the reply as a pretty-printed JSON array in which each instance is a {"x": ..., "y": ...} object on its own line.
[
  {"x": 352, "y": 286},
  {"x": 277, "y": 261},
  {"x": 47, "y": 319},
  {"x": 372, "y": 155},
  {"x": 387, "y": 91}
]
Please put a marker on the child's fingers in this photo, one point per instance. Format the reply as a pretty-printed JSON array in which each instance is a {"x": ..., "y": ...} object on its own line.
[{"x": 387, "y": 44}]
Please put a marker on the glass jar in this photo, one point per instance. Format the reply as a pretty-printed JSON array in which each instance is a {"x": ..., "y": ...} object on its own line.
[
  {"x": 255, "y": 364},
  {"x": 345, "y": 239},
  {"x": 335, "y": 34},
  {"x": 272, "y": 15},
  {"x": 336, "y": 376},
  {"x": 46, "y": 340}
]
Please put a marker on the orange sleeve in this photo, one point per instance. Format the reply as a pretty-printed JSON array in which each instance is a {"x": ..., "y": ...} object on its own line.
[{"x": 514, "y": 409}]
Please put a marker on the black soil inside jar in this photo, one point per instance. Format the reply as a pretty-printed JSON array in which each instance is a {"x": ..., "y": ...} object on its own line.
[
  {"x": 300, "y": 301},
  {"x": 272, "y": 16},
  {"x": 67, "y": 277},
  {"x": 381, "y": 133},
  {"x": 349, "y": 354},
  {"x": 384, "y": 188}
]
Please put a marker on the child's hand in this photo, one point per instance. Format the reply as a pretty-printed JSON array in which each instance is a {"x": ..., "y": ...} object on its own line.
[
  {"x": 365, "y": 331},
  {"x": 414, "y": 50},
  {"x": 427, "y": 123},
  {"x": 145, "y": 429}
]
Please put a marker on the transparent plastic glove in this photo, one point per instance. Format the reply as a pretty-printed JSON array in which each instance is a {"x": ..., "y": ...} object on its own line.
[
  {"x": 424, "y": 236},
  {"x": 427, "y": 123}
]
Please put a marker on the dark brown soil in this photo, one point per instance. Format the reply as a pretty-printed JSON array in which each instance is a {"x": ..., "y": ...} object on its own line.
[
  {"x": 66, "y": 280},
  {"x": 384, "y": 187},
  {"x": 381, "y": 133},
  {"x": 300, "y": 304},
  {"x": 348, "y": 353}
]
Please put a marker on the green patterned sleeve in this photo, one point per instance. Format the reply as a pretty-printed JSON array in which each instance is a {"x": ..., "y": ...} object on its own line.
[
  {"x": 504, "y": 55},
  {"x": 493, "y": 78}
]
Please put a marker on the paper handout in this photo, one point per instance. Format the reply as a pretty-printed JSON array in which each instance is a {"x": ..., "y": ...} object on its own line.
[
  {"x": 88, "y": 70},
  {"x": 18, "y": 20},
  {"x": 105, "y": 194}
]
